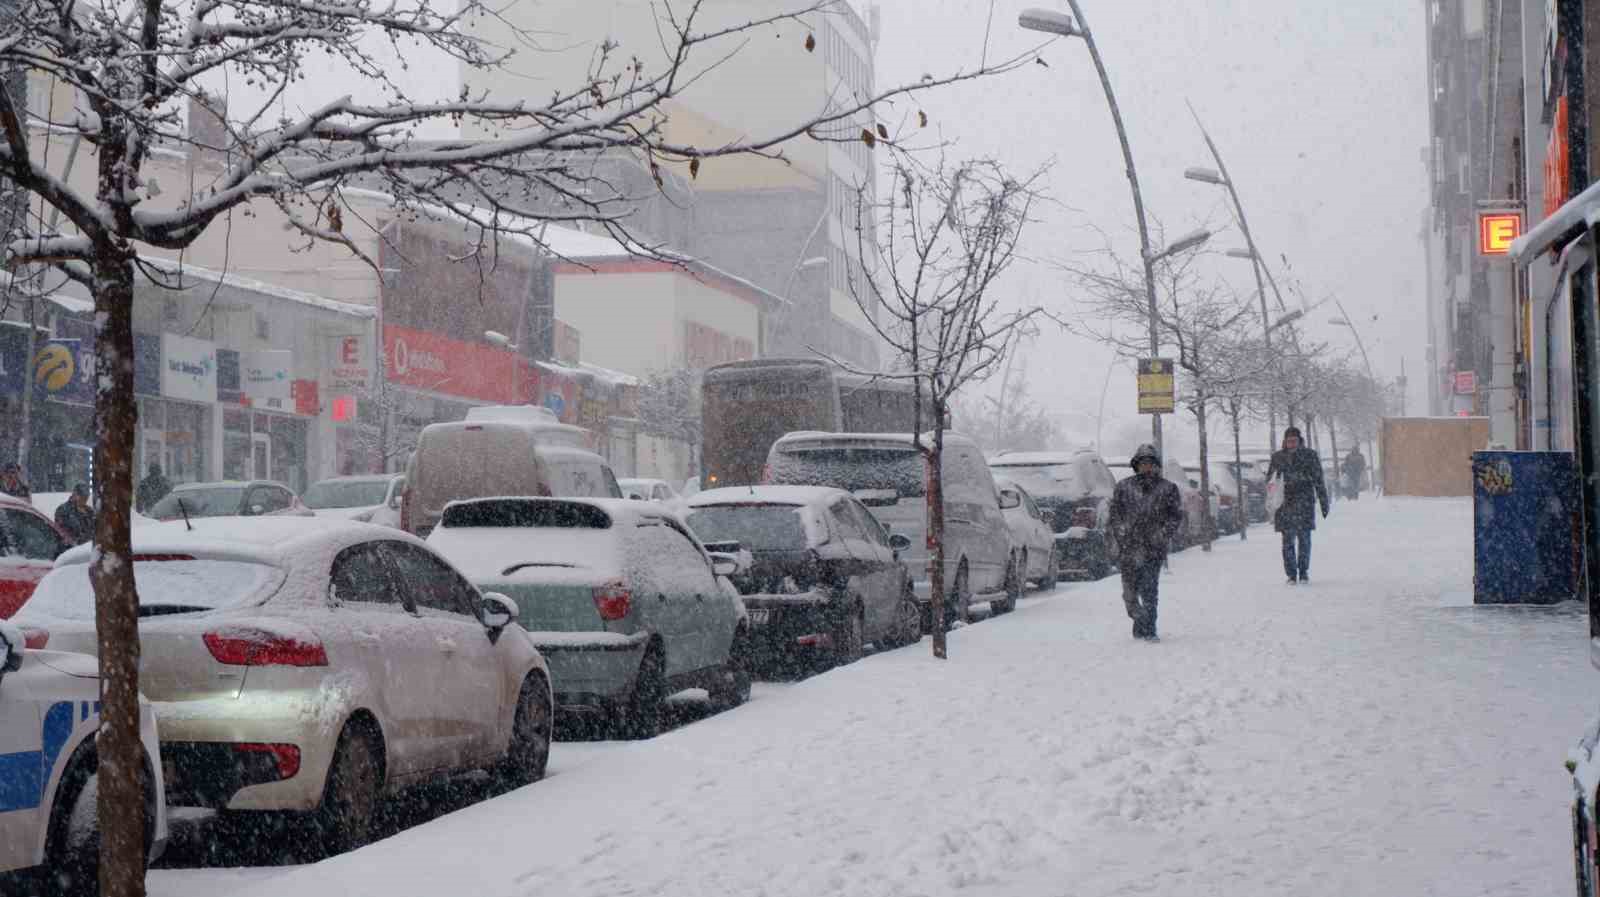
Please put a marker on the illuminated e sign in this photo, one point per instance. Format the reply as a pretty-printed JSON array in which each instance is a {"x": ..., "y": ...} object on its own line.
[{"x": 1497, "y": 230}]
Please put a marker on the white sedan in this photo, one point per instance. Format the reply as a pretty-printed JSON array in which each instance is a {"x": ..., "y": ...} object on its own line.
[
  {"x": 308, "y": 665},
  {"x": 49, "y": 714}
]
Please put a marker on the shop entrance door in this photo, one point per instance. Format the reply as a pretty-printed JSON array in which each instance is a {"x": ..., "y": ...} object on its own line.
[{"x": 261, "y": 456}]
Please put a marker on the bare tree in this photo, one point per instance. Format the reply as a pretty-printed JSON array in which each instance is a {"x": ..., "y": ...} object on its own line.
[
  {"x": 944, "y": 236},
  {"x": 138, "y": 67},
  {"x": 1018, "y": 422}
]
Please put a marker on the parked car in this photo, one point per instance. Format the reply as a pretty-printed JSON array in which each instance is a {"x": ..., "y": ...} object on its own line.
[
  {"x": 1032, "y": 539},
  {"x": 1193, "y": 531},
  {"x": 620, "y": 597},
  {"x": 1213, "y": 498},
  {"x": 648, "y": 490},
  {"x": 311, "y": 666},
  {"x": 30, "y": 542},
  {"x": 1255, "y": 486},
  {"x": 888, "y": 475},
  {"x": 499, "y": 450},
  {"x": 1074, "y": 489},
  {"x": 49, "y": 715},
  {"x": 825, "y": 576},
  {"x": 228, "y": 498},
  {"x": 373, "y": 498},
  {"x": 1227, "y": 489}
]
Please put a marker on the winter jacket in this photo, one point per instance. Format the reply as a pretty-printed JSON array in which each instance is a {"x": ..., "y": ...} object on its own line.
[
  {"x": 78, "y": 522},
  {"x": 154, "y": 488},
  {"x": 20, "y": 490},
  {"x": 1146, "y": 514},
  {"x": 1303, "y": 488}
]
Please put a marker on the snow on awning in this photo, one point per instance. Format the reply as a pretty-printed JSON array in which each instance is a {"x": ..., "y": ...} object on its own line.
[
  {"x": 70, "y": 304},
  {"x": 1582, "y": 210}
]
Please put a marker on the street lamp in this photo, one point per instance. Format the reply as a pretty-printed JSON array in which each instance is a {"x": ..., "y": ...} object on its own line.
[
  {"x": 1205, "y": 176},
  {"x": 1188, "y": 241},
  {"x": 1052, "y": 22},
  {"x": 1240, "y": 254}
]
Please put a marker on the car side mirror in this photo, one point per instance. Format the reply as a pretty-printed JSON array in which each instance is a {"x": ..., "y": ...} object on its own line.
[
  {"x": 899, "y": 542},
  {"x": 1009, "y": 500},
  {"x": 12, "y": 644},
  {"x": 724, "y": 564},
  {"x": 1048, "y": 515},
  {"x": 258, "y": 509},
  {"x": 498, "y": 611},
  {"x": 394, "y": 502}
]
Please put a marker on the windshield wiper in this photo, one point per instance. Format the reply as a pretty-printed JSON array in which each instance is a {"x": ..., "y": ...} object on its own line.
[
  {"x": 161, "y": 610},
  {"x": 515, "y": 567}
]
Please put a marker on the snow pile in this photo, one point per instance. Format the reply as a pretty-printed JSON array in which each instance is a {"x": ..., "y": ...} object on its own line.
[{"x": 1356, "y": 736}]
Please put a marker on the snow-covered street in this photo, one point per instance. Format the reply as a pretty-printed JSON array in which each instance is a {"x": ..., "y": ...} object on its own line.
[{"x": 1371, "y": 733}]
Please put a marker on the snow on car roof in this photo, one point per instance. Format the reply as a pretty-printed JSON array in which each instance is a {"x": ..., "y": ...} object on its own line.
[
  {"x": 621, "y": 510},
  {"x": 267, "y": 539},
  {"x": 819, "y": 436},
  {"x": 1030, "y": 459},
  {"x": 765, "y": 495},
  {"x": 362, "y": 478}
]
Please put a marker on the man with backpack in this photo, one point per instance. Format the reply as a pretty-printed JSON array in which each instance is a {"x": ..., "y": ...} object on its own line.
[{"x": 1146, "y": 513}]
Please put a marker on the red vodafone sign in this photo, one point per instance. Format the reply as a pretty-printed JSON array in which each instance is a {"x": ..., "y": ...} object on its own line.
[{"x": 454, "y": 367}]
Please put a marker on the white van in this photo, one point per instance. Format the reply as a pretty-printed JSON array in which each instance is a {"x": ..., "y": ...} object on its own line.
[
  {"x": 888, "y": 475},
  {"x": 505, "y": 450}
]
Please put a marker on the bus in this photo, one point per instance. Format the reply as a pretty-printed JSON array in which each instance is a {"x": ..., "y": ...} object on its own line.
[{"x": 747, "y": 405}]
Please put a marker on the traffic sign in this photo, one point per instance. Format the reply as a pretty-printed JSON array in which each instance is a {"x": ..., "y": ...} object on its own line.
[{"x": 1157, "y": 394}]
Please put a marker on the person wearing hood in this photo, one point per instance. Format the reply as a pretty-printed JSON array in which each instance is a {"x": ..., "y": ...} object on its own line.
[
  {"x": 1303, "y": 490},
  {"x": 1146, "y": 514},
  {"x": 152, "y": 489}
]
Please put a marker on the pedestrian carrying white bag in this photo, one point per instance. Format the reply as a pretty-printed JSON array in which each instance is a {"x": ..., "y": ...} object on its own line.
[{"x": 1274, "y": 497}]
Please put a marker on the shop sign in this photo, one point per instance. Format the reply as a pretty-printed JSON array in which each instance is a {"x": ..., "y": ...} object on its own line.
[
  {"x": 228, "y": 391},
  {"x": 1157, "y": 393},
  {"x": 188, "y": 368},
  {"x": 436, "y": 363},
  {"x": 351, "y": 370},
  {"x": 264, "y": 377},
  {"x": 1466, "y": 383},
  {"x": 147, "y": 376},
  {"x": 1497, "y": 230},
  {"x": 1558, "y": 160},
  {"x": 63, "y": 369},
  {"x": 307, "y": 399}
]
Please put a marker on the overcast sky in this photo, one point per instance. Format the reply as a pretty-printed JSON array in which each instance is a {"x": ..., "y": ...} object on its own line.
[{"x": 1318, "y": 108}]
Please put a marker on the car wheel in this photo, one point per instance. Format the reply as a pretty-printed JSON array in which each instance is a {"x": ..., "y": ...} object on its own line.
[
  {"x": 640, "y": 716},
  {"x": 350, "y": 797},
  {"x": 732, "y": 687},
  {"x": 532, "y": 729},
  {"x": 72, "y": 844},
  {"x": 1052, "y": 571},
  {"x": 959, "y": 604},
  {"x": 909, "y": 617},
  {"x": 848, "y": 637}
]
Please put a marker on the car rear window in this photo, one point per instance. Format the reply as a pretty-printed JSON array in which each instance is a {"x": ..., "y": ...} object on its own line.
[
  {"x": 173, "y": 585},
  {"x": 1045, "y": 479},
  {"x": 514, "y": 512},
  {"x": 222, "y": 501},
  {"x": 851, "y": 468},
  {"x": 756, "y": 527},
  {"x": 348, "y": 494}
]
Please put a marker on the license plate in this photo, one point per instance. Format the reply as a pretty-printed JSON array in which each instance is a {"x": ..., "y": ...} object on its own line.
[{"x": 760, "y": 617}]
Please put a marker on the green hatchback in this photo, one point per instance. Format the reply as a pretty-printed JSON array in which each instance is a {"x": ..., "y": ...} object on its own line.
[{"x": 626, "y": 605}]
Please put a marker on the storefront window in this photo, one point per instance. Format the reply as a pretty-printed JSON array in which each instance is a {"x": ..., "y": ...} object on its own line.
[
  {"x": 236, "y": 444},
  {"x": 176, "y": 436}
]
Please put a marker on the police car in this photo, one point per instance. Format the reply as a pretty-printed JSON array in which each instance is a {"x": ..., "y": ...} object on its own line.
[{"x": 49, "y": 714}]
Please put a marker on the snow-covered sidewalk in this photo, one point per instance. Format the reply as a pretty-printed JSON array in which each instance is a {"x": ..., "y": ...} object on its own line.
[{"x": 1372, "y": 733}]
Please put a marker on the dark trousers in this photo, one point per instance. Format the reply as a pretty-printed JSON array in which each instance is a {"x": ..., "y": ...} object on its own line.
[
  {"x": 1296, "y": 553},
  {"x": 1139, "y": 584}
]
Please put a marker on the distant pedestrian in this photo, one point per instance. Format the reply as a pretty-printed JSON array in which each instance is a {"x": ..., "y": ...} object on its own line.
[
  {"x": 153, "y": 489},
  {"x": 1146, "y": 513},
  {"x": 1355, "y": 466},
  {"x": 76, "y": 517},
  {"x": 1303, "y": 489},
  {"x": 11, "y": 482}
]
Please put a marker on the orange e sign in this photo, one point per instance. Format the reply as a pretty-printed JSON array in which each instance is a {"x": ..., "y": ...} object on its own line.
[{"x": 1497, "y": 230}]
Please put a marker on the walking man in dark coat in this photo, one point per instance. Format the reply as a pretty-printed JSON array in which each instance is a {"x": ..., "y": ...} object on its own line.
[
  {"x": 1355, "y": 465},
  {"x": 75, "y": 516},
  {"x": 153, "y": 489},
  {"x": 1303, "y": 489},
  {"x": 1146, "y": 513}
]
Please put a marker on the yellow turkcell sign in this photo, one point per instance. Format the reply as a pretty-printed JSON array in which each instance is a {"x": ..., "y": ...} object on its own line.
[
  {"x": 53, "y": 368},
  {"x": 1497, "y": 231},
  {"x": 1156, "y": 393}
]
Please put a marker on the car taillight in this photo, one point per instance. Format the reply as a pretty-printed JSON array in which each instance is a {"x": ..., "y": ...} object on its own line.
[
  {"x": 248, "y": 648},
  {"x": 612, "y": 600},
  {"x": 285, "y": 756},
  {"x": 1226, "y": 500},
  {"x": 34, "y": 638},
  {"x": 1084, "y": 517}
]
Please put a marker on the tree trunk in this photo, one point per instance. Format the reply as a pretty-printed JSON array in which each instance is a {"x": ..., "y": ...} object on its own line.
[
  {"x": 935, "y": 492},
  {"x": 1240, "y": 508},
  {"x": 122, "y": 769},
  {"x": 1333, "y": 450},
  {"x": 1210, "y": 526}
]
